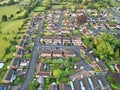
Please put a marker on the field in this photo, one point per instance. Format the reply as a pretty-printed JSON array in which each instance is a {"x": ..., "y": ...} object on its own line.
[
  {"x": 9, "y": 30},
  {"x": 8, "y": 10}
]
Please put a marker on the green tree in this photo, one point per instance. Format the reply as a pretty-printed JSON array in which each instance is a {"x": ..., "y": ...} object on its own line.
[
  {"x": 56, "y": 73},
  {"x": 10, "y": 2},
  {"x": 4, "y": 18}
]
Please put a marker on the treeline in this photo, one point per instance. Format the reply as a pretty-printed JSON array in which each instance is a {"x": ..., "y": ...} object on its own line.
[
  {"x": 30, "y": 7},
  {"x": 10, "y": 2},
  {"x": 105, "y": 46}
]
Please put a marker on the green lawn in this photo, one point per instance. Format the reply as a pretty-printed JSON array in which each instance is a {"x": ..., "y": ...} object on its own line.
[
  {"x": 39, "y": 9},
  {"x": 8, "y": 10},
  {"x": 56, "y": 6},
  {"x": 9, "y": 30},
  {"x": 115, "y": 3}
]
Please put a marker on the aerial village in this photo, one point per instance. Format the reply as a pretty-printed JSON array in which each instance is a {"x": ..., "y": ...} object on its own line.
[{"x": 60, "y": 50}]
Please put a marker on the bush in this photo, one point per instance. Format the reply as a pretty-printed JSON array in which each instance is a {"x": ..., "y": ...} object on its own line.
[
  {"x": 114, "y": 87},
  {"x": 18, "y": 12},
  {"x": 4, "y": 18},
  {"x": 110, "y": 68}
]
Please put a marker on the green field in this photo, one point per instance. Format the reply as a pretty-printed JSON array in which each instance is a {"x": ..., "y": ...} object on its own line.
[
  {"x": 9, "y": 30},
  {"x": 8, "y": 10}
]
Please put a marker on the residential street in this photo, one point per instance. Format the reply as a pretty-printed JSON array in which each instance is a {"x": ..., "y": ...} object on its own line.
[
  {"x": 117, "y": 17},
  {"x": 33, "y": 60}
]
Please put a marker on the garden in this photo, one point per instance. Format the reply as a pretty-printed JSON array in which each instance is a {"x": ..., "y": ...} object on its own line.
[{"x": 60, "y": 69}]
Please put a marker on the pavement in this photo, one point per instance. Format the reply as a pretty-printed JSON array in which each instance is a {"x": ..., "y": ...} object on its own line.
[{"x": 33, "y": 60}]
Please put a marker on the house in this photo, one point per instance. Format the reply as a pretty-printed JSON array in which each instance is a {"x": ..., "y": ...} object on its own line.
[
  {"x": 15, "y": 61},
  {"x": 69, "y": 53},
  {"x": 48, "y": 40},
  {"x": 63, "y": 86},
  {"x": 80, "y": 75},
  {"x": 112, "y": 26},
  {"x": 57, "y": 40},
  {"x": 41, "y": 70},
  {"x": 66, "y": 40},
  {"x": 91, "y": 83},
  {"x": 103, "y": 81},
  {"x": 12, "y": 67},
  {"x": 85, "y": 84},
  {"x": 76, "y": 41},
  {"x": 95, "y": 83},
  {"x": 22, "y": 43},
  {"x": 17, "y": 55},
  {"x": 116, "y": 77},
  {"x": 52, "y": 86},
  {"x": 44, "y": 73},
  {"x": 64, "y": 31},
  {"x": 102, "y": 66},
  {"x": 82, "y": 65},
  {"x": 45, "y": 53},
  {"x": 57, "y": 53},
  {"x": 76, "y": 84},
  {"x": 8, "y": 77},
  {"x": 27, "y": 35},
  {"x": 19, "y": 47}
]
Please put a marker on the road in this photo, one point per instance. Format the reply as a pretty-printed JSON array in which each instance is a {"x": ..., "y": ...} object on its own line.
[
  {"x": 33, "y": 60},
  {"x": 116, "y": 16},
  {"x": 60, "y": 19},
  {"x": 108, "y": 31}
]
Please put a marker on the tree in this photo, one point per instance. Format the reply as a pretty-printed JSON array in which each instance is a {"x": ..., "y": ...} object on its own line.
[
  {"x": 0, "y": 32},
  {"x": 48, "y": 4},
  {"x": 81, "y": 19},
  {"x": 27, "y": 56},
  {"x": 11, "y": 16},
  {"x": 13, "y": 42},
  {"x": 4, "y": 18},
  {"x": 11, "y": 2},
  {"x": 7, "y": 50},
  {"x": 56, "y": 73}
]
